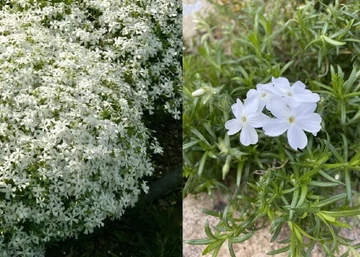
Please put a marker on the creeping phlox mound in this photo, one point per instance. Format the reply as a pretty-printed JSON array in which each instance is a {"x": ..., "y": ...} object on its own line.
[{"x": 75, "y": 79}]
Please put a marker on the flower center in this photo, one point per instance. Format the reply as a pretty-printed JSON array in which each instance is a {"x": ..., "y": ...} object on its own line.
[
  {"x": 263, "y": 94},
  {"x": 289, "y": 93},
  {"x": 292, "y": 119},
  {"x": 243, "y": 119}
]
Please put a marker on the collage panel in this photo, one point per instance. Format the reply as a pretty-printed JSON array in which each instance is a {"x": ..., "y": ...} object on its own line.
[
  {"x": 90, "y": 128},
  {"x": 271, "y": 114}
]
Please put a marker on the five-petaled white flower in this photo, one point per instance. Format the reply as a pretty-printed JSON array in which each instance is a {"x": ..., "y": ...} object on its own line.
[
  {"x": 263, "y": 92},
  {"x": 293, "y": 95},
  {"x": 294, "y": 120},
  {"x": 247, "y": 118}
]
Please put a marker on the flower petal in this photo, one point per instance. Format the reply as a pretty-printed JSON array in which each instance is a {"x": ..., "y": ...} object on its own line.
[
  {"x": 237, "y": 108},
  {"x": 281, "y": 83},
  {"x": 298, "y": 87},
  {"x": 279, "y": 108},
  {"x": 251, "y": 105},
  {"x": 275, "y": 127},
  {"x": 257, "y": 119},
  {"x": 248, "y": 135},
  {"x": 233, "y": 126},
  {"x": 252, "y": 93},
  {"x": 274, "y": 90},
  {"x": 304, "y": 108},
  {"x": 263, "y": 87},
  {"x": 291, "y": 102},
  {"x": 310, "y": 122},
  {"x": 306, "y": 98},
  {"x": 296, "y": 137}
]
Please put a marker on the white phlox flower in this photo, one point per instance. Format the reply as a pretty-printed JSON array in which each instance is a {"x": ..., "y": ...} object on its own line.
[
  {"x": 191, "y": 8},
  {"x": 293, "y": 108},
  {"x": 247, "y": 118},
  {"x": 293, "y": 95},
  {"x": 294, "y": 120},
  {"x": 264, "y": 93}
]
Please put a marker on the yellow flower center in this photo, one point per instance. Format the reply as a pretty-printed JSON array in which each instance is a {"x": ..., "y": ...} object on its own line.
[
  {"x": 292, "y": 119},
  {"x": 263, "y": 94},
  {"x": 243, "y": 119},
  {"x": 289, "y": 93}
]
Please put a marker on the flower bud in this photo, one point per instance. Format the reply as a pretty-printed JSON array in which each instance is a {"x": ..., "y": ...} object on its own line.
[
  {"x": 226, "y": 167},
  {"x": 198, "y": 92}
]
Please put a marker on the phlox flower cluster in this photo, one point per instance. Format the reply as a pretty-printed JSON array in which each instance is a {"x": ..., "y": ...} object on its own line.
[
  {"x": 292, "y": 108},
  {"x": 75, "y": 80}
]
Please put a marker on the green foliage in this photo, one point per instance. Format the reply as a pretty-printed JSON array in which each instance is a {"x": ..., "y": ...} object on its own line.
[{"x": 313, "y": 192}]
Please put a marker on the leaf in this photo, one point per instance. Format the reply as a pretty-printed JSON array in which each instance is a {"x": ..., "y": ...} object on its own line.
[
  {"x": 332, "y": 199},
  {"x": 202, "y": 163},
  {"x": 242, "y": 238},
  {"x": 306, "y": 209},
  {"x": 303, "y": 232},
  {"x": 341, "y": 225},
  {"x": 314, "y": 41},
  {"x": 190, "y": 144},
  {"x": 323, "y": 184},
  {"x": 211, "y": 213},
  {"x": 276, "y": 232},
  {"x": 344, "y": 213},
  {"x": 202, "y": 50},
  {"x": 231, "y": 249},
  {"x": 332, "y": 41},
  {"x": 215, "y": 245},
  {"x": 327, "y": 176},
  {"x": 286, "y": 66},
  {"x": 303, "y": 195},
  {"x": 326, "y": 216},
  {"x": 202, "y": 241},
  {"x": 200, "y": 136},
  {"x": 209, "y": 130},
  {"x": 348, "y": 184},
  {"x": 208, "y": 231},
  {"x": 277, "y": 251}
]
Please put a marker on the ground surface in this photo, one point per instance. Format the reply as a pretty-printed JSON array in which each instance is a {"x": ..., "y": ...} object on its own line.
[{"x": 193, "y": 228}]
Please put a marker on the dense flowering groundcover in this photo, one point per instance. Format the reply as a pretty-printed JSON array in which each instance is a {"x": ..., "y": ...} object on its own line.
[
  {"x": 286, "y": 77},
  {"x": 76, "y": 78}
]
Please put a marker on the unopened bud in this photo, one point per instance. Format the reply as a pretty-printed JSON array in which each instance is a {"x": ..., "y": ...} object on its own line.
[
  {"x": 198, "y": 92},
  {"x": 226, "y": 167}
]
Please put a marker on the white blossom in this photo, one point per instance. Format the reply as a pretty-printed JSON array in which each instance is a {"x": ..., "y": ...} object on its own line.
[
  {"x": 294, "y": 120},
  {"x": 292, "y": 95},
  {"x": 293, "y": 108},
  {"x": 247, "y": 118},
  {"x": 263, "y": 93}
]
